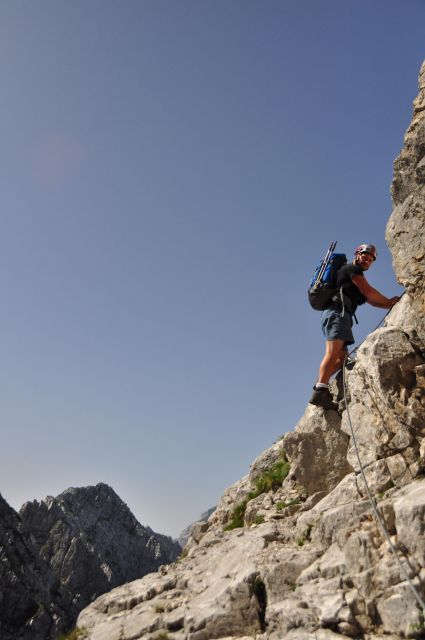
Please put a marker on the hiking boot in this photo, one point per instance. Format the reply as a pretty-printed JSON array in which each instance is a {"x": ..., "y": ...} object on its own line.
[{"x": 322, "y": 398}]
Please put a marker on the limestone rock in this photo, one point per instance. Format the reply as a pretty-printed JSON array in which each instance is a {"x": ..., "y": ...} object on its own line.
[
  {"x": 387, "y": 405},
  {"x": 209, "y": 594},
  {"x": 266, "y": 460},
  {"x": 409, "y": 510},
  {"x": 186, "y": 533},
  {"x": 406, "y": 229},
  {"x": 399, "y": 613},
  {"x": 231, "y": 497},
  {"x": 317, "y": 450},
  {"x": 269, "y": 580},
  {"x": 404, "y": 316}
]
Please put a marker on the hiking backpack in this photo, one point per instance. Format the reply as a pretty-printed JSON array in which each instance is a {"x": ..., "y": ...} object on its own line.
[{"x": 323, "y": 283}]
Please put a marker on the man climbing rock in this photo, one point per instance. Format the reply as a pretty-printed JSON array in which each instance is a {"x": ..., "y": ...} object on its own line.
[{"x": 337, "y": 318}]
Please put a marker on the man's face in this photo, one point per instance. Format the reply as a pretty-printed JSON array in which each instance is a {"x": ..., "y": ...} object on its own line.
[{"x": 364, "y": 260}]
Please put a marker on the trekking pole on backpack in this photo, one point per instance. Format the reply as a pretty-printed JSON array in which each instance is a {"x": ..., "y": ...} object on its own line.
[
  {"x": 323, "y": 285},
  {"x": 324, "y": 264}
]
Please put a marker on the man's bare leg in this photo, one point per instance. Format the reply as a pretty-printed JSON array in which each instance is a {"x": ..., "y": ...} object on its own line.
[{"x": 333, "y": 360}]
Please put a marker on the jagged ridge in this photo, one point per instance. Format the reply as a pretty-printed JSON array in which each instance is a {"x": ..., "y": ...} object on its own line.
[{"x": 59, "y": 554}]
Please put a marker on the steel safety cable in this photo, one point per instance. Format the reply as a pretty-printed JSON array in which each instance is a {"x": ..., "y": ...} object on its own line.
[{"x": 376, "y": 513}]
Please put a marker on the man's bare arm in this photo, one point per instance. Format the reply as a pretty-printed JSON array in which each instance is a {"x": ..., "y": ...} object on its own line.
[{"x": 373, "y": 296}]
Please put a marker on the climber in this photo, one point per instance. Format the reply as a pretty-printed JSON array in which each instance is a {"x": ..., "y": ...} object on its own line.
[{"x": 337, "y": 318}]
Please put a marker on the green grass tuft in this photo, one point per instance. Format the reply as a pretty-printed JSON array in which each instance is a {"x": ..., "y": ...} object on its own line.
[
  {"x": 238, "y": 516},
  {"x": 282, "y": 505},
  {"x": 268, "y": 481},
  {"x": 272, "y": 478}
]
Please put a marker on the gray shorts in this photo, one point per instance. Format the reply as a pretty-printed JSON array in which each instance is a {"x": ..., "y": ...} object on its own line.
[{"x": 337, "y": 327}]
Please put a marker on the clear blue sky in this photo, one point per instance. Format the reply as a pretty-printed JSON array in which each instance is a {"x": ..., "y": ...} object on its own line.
[{"x": 171, "y": 171}]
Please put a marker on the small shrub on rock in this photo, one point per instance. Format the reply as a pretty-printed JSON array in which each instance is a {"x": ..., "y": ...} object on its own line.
[{"x": 270, "y": 480}]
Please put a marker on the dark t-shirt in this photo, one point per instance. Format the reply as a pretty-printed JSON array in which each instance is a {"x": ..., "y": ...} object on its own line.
[{"x": 344, "y": 280}]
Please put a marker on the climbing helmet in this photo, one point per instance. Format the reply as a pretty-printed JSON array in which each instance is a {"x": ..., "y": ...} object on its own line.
[{"x": 367, "y": 248}]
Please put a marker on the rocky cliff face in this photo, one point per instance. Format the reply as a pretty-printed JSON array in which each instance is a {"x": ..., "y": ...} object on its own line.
[
  {"x": 293, "y": 550},
  {"x": 92, "y": 542},
  {"x": 59, "y": 554},
  {"x": 33, "y": 604}
]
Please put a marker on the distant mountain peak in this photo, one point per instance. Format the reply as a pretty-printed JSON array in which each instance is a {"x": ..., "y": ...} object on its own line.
[{"x": 85, "y": 541}]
